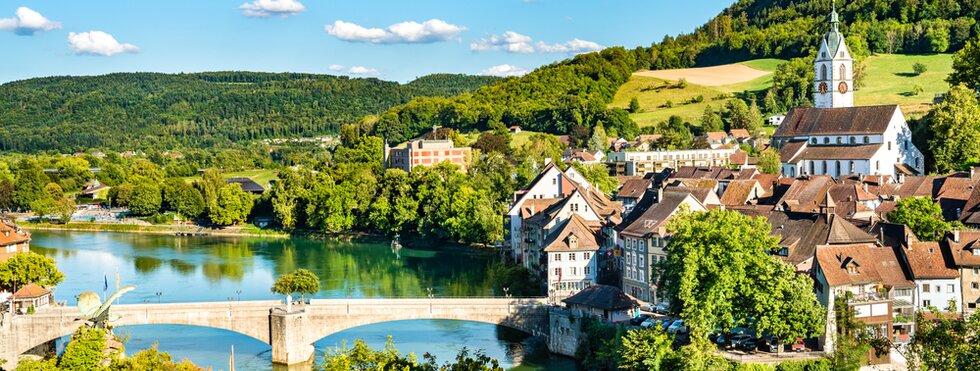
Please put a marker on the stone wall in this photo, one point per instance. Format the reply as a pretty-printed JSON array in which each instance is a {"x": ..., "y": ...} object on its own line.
[{"x": 565, "y": 333}]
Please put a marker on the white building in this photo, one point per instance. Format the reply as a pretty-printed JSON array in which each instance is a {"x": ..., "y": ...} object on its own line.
[
  {"x": 572, "y": 249},
  {"x": 936, "y": 278},
  {"x": 642, "y": 163},
  {"x": 776, "y": 120},
  {"x": 551, "y": 183},
  {"x": 834, "y": 137}
]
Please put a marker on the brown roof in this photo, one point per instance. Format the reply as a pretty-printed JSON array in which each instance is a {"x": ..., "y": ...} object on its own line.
[
  {"x": 716, "y": 136},
  {"x": 875, "y": 264},
  {"x": 11, "y": 234},
  {"x": 653, "y": 218},
  {"x": 634, "y": 188},
  {"x": 835, "y": 121},
  {"x": 920, "y": 186},
  {"x": 905, "y": 169},
  {"x": 790, "y": 150},
  {"x": 971, "y": 209},
  {"x": 962, "y": 252},
  {"x": 739, "y": 192},
  {"x": 558, "y": 239},
  {"x": 648, "y": 137},
  {"x": 582, "y": 156},
  {"x": 927, "y": 260},
  {"x": 740, "y": 133},
  {"x": 851, "y": 192},
  {"x": 532, "y": 207},
  {"x": 602, "y": 297},
  {"x": 817, "y": 152},
  {"x": 31, "y": 291},
  {"x": 739, "y": 158},
  {"x": 807, "y": 194}
]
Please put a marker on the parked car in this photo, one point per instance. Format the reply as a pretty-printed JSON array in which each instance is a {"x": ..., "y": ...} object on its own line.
[
  {"x": 737, "y": 340},
  {"x": 769, "y": 344},
  {"x": 636, "y": 321},
  {"x": 798, "y": 345},
  {"x": 648, "y": 308},
  {"x": 750, "y": 344},
  {"x": 661, "y": 309},
  {"x": 649, "y": 322},
  {"x": 677, "y": 327},
  {"x": 666, "y": 324}
]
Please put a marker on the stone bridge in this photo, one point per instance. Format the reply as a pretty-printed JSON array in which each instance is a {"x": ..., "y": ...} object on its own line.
[{"x": 290, "y": 334}]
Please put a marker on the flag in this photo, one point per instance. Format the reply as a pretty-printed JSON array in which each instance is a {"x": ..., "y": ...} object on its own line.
[{"x": 105, "y": 280}]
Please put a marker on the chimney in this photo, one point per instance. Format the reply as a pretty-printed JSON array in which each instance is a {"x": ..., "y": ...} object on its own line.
[
  {"x": 956, "y": 235},
  {"x": 865, "y": 186},
  {"x": 881, "y": 180},
  {"x": 660, "y": 194}
]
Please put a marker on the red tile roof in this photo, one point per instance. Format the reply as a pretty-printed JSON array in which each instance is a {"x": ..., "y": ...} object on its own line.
[
  {"x": 716, "y": 136},
  {"x": 875, "y": 264},
  {"x": 836, "y": 121},
  {"x": 559, "y": 239},
  {"x": 740, "y": 133},
  {"x": 11, "y": 234},
  {"x": 31, "y": 291},
  {"x": 927, "y": 261}
]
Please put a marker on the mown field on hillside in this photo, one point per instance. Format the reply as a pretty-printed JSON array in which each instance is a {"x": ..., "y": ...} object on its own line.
[{"x": 888, "y": 79}]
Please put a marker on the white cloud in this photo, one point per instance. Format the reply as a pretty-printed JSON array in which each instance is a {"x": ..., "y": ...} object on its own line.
[
  {"x": 98, "y": 43},
  {"x": 513, "y": 42},
  {"x": 505, "y": 70},
  {"x": 361, "y": 70},
  {"x": 271, "y": 8},
  {"x": 27, "y": 22},
  {"x": 335, "y": 67},
  {"x": 433, "y": 30}
]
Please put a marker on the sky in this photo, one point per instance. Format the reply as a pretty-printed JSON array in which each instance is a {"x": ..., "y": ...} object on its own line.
[{"x": 391, "y": 40}]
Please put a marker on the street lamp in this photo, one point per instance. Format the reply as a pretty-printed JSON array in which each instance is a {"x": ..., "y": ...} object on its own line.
[
  {"x": 429, "y": 289},
  {"x": 239, "y": 292},
  {"x": 159, "y": 294},
  {"x": 507, "y": 292}
]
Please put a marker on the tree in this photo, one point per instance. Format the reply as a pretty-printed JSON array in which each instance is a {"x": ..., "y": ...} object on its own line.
[
  {"x": 922, "y": 216},
  {"x": 151, "y": 359},
  {"x": 86, "y": 350},
  {"x": 717, "y": 260},
  {"x": 966, "y": 70},
  {"x": 598, "y": 176},
  {"x": 301, "y": 281},
  {"x": 31, "y": 267},
  {"x": 7, "y": 195},
  {"x": 145, "y": 199},
  {"x": 739, "y": 115},
  {"x": 919, "y": 68},
  {"x": 598, "y": 141},
  {"x": 634, "y": 106},
  {"x": 769, "y": 161},
  {"x": 29, "y": 184},
  {"x": 954, "y": 127},
  {"x": 232, "y": 205},
  {"x": 647, "y": 349},
  {"x": 182, "y": 198},
  {"x": 490, "y": 142},
  {"x": 711, "y": 120}
]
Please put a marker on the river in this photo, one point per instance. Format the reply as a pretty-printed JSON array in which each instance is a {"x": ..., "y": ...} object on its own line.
[{"x": 188, "y": 269}]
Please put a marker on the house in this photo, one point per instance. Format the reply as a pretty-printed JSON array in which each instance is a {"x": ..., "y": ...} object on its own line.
[
  {"x": 31, "y": 296},
  {"x": 836, "y": 138},
  {"x": 741, "y": 192},
  {"x": 643, "y": 240},
  {"x": 572, "y": 248},
  {"x": 590, "y": 205},
  {"x": 551, "y": 183},
  {"x": 13, "y": 240},
  {"x": 632, "y": 192},
  {"x": 807, "y": 194},
  {"x": 607, "y": 303},
  {"x": 935, "y": 275},
  {"x": 964, "y": 247},
  {"x": 870, "y": 280},
  {"x": 582, "y": 157},
  {"x": 639, "y": 163},
  {"x": 248, "y": 185},
  {"x": 423, "y": 152},
  {"x": 740, "y": 135},
  {"x": 970, "y": 215},
  {"x": 717, "y": 139},
  {"x": 515, "y": 129},
  {"x": 776, "y": 120},
  {"x": 93, "y": 189}
]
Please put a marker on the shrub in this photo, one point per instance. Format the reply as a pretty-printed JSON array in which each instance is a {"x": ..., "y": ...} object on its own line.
[{"x": 919, "y": 68}]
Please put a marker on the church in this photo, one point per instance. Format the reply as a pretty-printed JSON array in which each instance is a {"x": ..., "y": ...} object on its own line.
[{"x": 838, "y": 139}]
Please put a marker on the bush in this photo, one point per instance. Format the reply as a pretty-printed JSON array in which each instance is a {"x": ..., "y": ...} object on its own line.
[
  {"x": 919, "y": 68},
  {"x": 808, "y": 365},
  {"x": 668, "y": 104}
]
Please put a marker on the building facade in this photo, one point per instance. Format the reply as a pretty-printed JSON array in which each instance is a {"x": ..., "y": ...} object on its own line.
[
  {"x": 427, "y": 153},
  {"x": 642, "y": 163},
  {"x": 13, "y": 241}
]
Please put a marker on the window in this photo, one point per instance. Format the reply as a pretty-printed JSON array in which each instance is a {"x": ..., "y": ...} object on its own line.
[
  {"x": 813, "y": 140},
  {"x": 586, "y": 255},
  {"x": 975, "y": 285},
  {"x": 971, "y": 305},
  {"x": 588, "y": 270},
  {"x": 558, "y": 272},
  {"x": 558, "y": 257},
  {"x": 976, "y": 271},
  {"x": 574, "y": 207},
  {"x": 843, "y": 70},
  {"x": 939, "y": 289},
  {"x": 554, "y": 181},
  {"x": 823, "y": 71},
  {"x": 925, "y": 288},
  {"x": 950, "y": 289},
  {"x": 838, "y": 167},
  {"x": 850, "y": 165},
  {"x": 574, "y": 271},
  {"x": 851, "y": 140},
  {"x": 867, "y": 139},
  {"x": 877, "y": 165},
  {"x": 889, "y": 145},
  {"x": 826, "y": 140},
  {"x": 926, "y": 303},
  {"x": 571, "y": 256},
  {"x": 840, "y": 140}
]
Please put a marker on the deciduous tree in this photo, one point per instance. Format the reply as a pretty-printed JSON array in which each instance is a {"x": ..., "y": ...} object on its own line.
[{"x": 923, "y": 216}]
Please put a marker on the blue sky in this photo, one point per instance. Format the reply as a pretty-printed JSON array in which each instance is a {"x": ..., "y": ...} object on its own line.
[{"x": 393, "y": 40}]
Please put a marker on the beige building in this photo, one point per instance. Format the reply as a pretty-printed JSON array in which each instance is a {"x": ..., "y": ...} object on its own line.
[
  {"x": 641, "y": 163},
  {"x": 427, "y": 153},
  {"x": 13, "y": 240},
  {"x": 965, "y": 249}
]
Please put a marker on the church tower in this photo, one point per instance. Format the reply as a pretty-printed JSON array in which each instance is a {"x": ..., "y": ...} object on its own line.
[{"x": 833, "y": 83}]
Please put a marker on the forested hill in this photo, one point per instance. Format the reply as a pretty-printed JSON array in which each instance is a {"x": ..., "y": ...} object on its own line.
[
  {"x": 152, "y": 110},
  {"x": 571, "y": 97}
]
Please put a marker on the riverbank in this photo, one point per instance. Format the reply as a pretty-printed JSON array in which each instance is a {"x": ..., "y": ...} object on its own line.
[{"x": 248, "y": 231}]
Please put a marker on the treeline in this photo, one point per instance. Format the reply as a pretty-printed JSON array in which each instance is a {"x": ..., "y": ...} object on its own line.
[{"x": 125, "y": 111}]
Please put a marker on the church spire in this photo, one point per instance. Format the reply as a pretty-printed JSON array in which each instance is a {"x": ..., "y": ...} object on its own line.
[{"x": 834, "y": 18}]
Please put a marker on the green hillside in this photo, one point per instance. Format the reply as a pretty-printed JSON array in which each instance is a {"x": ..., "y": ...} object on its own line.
[
  {"x": 126, "y": 111},
  {"x": 889, "y": 79}
]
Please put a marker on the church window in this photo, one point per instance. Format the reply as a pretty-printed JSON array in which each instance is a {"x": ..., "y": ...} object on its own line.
[
  {"x": 824, "y": 55},
  {"x": 840, "y": 140},
  {"x": 826, "y": 167},
  {"x": 866, "y": 139},
  {"x": 842, "y": 54},
  {"x": 889, "y": 145},
  {"x": 838, "y": 168},
  {"x": 813, "y": 140},
  {"x": 810, "y": 167},
  {"x": 843, "y": 72},
  {"x": 852, "y": 140},
  {"x": 877, "y": 165},
  {"x": 850, "y": 166},
  {"x": 826, "y": 140},
  {"x": 823, "y": 72}
]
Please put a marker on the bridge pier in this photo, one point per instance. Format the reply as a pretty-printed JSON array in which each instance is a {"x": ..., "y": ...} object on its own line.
[{"x": 288, "y": 337}]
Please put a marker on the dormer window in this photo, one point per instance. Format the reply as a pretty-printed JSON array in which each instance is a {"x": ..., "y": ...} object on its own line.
[
  {"x": 976, "y": 252},
  {"x": 572, "y": 244},
  {"x": 852, "y": 269}
]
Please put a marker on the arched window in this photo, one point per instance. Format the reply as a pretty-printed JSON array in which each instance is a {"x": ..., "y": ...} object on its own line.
[
  {"x": 838, "y": 168},
  {"x": 826, "y": 167},
  {"x": 840, "y": 140},
  {"x": 867, "y": 140},
  {"x": 843, "y": 72},
  {"x": 851, "y": 140},
  {"x": 813, "y": 141},
  {"x": 823, "y": 72},
  {"x": 826, "y": 140}
]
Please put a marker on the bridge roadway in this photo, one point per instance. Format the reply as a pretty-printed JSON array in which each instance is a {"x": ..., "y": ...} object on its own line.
[{"x": 290, "y": 334}]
